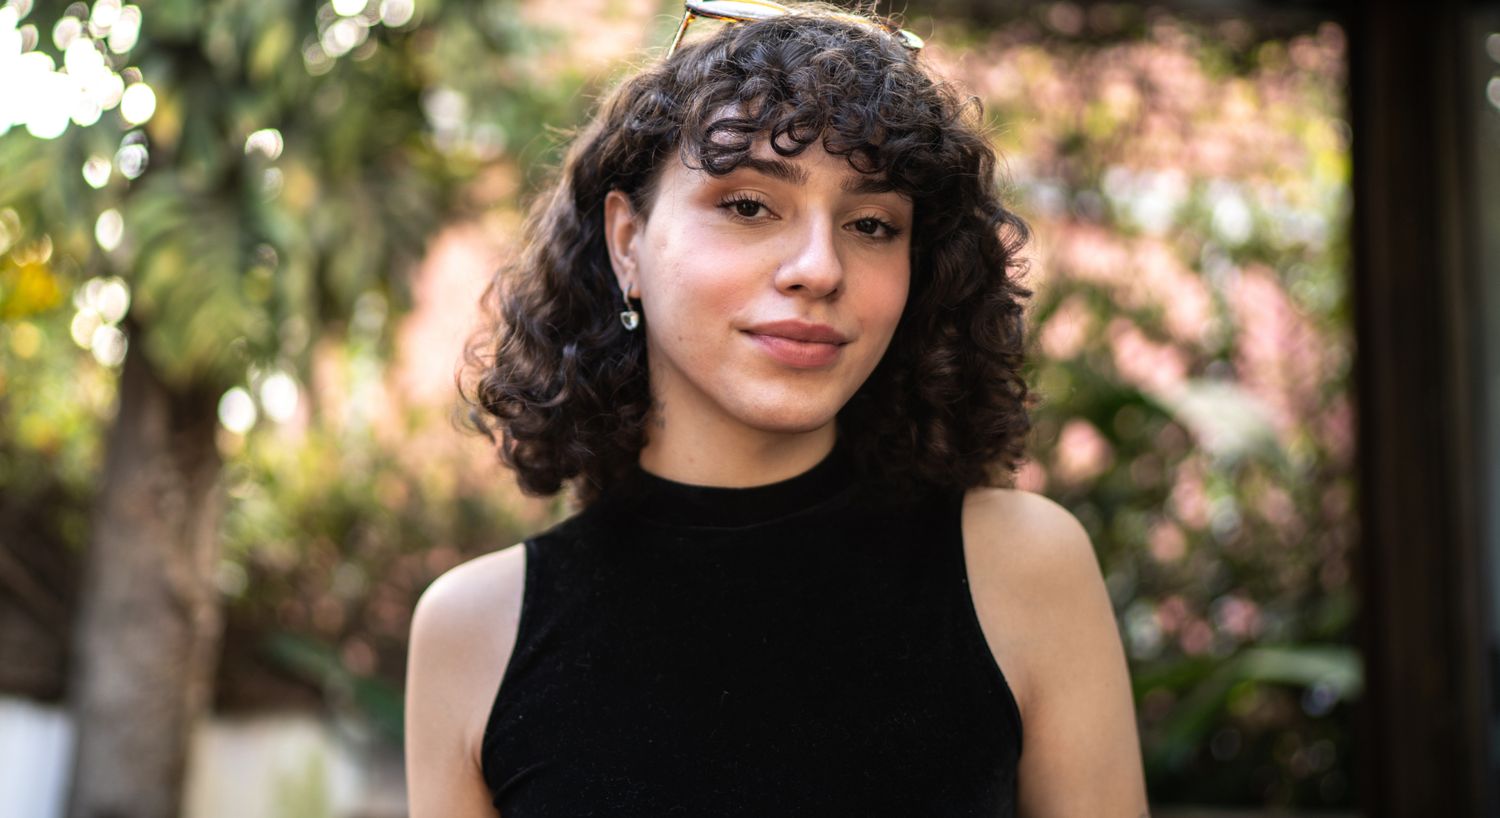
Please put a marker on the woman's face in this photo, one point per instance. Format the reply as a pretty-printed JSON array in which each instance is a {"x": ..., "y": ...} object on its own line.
[{"x": 769, "y": 294}]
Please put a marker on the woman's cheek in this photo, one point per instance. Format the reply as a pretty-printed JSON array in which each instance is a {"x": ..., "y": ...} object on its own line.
[{"x": 891, "y": 300}]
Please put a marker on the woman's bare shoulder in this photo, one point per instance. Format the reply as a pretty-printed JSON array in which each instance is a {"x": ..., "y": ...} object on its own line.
[
  {"x": 1044, "y": 605},
  {"x": 469, "y": 589},
  {"x": 463, "y": 631},
  {"x": 1028, "y": 558},
  {"x": 1029, "y": 531}
]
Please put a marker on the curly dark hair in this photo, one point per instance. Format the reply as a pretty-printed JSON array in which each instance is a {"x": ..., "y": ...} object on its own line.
[{"x": 947, "y": 405}]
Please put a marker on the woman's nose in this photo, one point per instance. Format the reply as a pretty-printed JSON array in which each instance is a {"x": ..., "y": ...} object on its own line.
[{"x": 812, "y": 264}]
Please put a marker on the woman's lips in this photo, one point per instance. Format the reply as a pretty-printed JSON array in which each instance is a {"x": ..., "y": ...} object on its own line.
[{"x": 805, "y": 354}]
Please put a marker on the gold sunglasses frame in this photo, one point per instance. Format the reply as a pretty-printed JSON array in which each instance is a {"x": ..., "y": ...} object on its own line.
[{"x": 743, "y": 11}]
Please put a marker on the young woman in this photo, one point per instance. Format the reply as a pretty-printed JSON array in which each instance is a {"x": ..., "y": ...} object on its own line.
[{"x": 766, "y": 326}]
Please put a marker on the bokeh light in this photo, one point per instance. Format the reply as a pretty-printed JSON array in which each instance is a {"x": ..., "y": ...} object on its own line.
[
  {"x": 66, "y": 31},
  {"x": 395, "y": 13},
  {"x": 106, "y": 12},
  {"x": 43, "y": 97},
  {"x": 126, "y": 30},
  {"x": 266, "y": 142},
  {"x": 99, "y": 304},
  {"x": 109, "y": 296},
  {"x": 96, "y": 171},
  {"x": 108, "y": 345},
  {"x": 138, "y": 103},
  {"x": 109, "y": 228},
  {"x": 279, "y": 395},
  {"x": 10, "y": 228},
  {"x": 85, "y": 321},
  {"x": 132, "y": 156},
  {"x": 237, "y": 411},
  {"x": 344, "y": 28},
  {"x": 344, "y": 36}
]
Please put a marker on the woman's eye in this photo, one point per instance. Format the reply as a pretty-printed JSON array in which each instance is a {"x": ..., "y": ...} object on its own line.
[
  {"x": 747, "y": 207},
  {"x": 743, "y": 207},
  {"x": 871, "y": 226}
]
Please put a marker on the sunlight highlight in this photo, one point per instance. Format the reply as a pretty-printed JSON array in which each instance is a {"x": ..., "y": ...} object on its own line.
[{"x": 45, "y": 98}]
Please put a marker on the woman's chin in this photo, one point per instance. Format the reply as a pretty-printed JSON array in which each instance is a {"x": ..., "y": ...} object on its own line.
[{"x": 790, "y": 416}]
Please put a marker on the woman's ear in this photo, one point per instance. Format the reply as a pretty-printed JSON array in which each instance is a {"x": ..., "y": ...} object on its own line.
[{"x": 621, "y": 228}]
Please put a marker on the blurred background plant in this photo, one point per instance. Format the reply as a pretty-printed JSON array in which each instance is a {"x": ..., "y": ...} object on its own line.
[
  {"x": 1189, "y": 189},
  {"x": 290, "y": 227},
  {"x": 223, "y": 186}
]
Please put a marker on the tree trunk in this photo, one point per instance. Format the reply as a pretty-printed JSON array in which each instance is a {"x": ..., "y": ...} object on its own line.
[{"x": 150, "y": 618}]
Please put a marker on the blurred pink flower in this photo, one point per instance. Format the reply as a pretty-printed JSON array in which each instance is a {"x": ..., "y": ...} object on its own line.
[
  {"x": 1238, "y": 616},
  {"x": 1031, "y": 476},
  {"x": 1167, "y": 541},
  {"x": 1088, "y": 252},
  {"x": 445, "y": 293},
  {"x": 1142, "y": 362},
  {"x": 1082, "y": 452},
  {"x": 999, "y": 81},
  {"x": 1172, "y": 613},
  {"x": 1067, "y": 328},
  {"x": 1162, "y": 278},
  {"x": 1119, "y": 93},
  {"x": 446, "y": 289},
  {"x": 1336, "y": 429},
  {"x": 1197, "y": 638},
  {"x": 1276, "y": 506},
  {"x": 1139, "y": 274},
  {"x": 1280, "y": 357},
  {"x": 1215, "y": 150},
  {"x": 593, "y": 33},
  {"x": 1173, "y": 73},
  {"x": 1189, "y": 499}
]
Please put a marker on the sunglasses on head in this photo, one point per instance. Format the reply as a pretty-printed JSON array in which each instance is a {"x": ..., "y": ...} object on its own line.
[{"x": 741, "y": 11}]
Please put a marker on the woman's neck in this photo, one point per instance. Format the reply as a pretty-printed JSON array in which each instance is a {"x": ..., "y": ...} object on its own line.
[{"x": 732, "y": 455}]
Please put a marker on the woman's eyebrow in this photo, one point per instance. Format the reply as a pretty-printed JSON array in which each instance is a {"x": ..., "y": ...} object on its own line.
[{"x": 794, "y": 174}]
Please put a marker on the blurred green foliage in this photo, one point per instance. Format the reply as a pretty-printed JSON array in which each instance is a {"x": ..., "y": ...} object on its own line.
[
  {"x": 239, "y": 250},
  {"x": 297, "y": 161},
  {"x": 329, "y": 541}
]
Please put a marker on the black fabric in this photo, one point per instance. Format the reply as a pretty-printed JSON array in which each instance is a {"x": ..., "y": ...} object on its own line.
[{"x": 792, "y": 649}]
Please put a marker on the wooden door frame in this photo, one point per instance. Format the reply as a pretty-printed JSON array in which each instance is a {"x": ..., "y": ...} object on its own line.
[{"x": 1417, "y": 276}]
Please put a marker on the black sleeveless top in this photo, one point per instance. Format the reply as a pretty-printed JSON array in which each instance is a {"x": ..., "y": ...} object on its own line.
[{"x": 797, "y": 648}]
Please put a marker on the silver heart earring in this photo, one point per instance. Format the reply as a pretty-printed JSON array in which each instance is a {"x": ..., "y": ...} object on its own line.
[{"x": 629, "y": 317}]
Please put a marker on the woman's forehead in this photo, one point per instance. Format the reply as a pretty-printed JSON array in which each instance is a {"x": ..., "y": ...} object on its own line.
[{"x": 796, "y": 170}]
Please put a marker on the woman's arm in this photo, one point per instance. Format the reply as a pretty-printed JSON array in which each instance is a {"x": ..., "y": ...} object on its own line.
[
  {"x": 462, "y": 633},
  {"x": 1040, "y": 593}
]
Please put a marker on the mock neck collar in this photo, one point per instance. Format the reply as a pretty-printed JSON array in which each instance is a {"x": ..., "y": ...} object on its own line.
[{"x": 665, "y": 502}]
